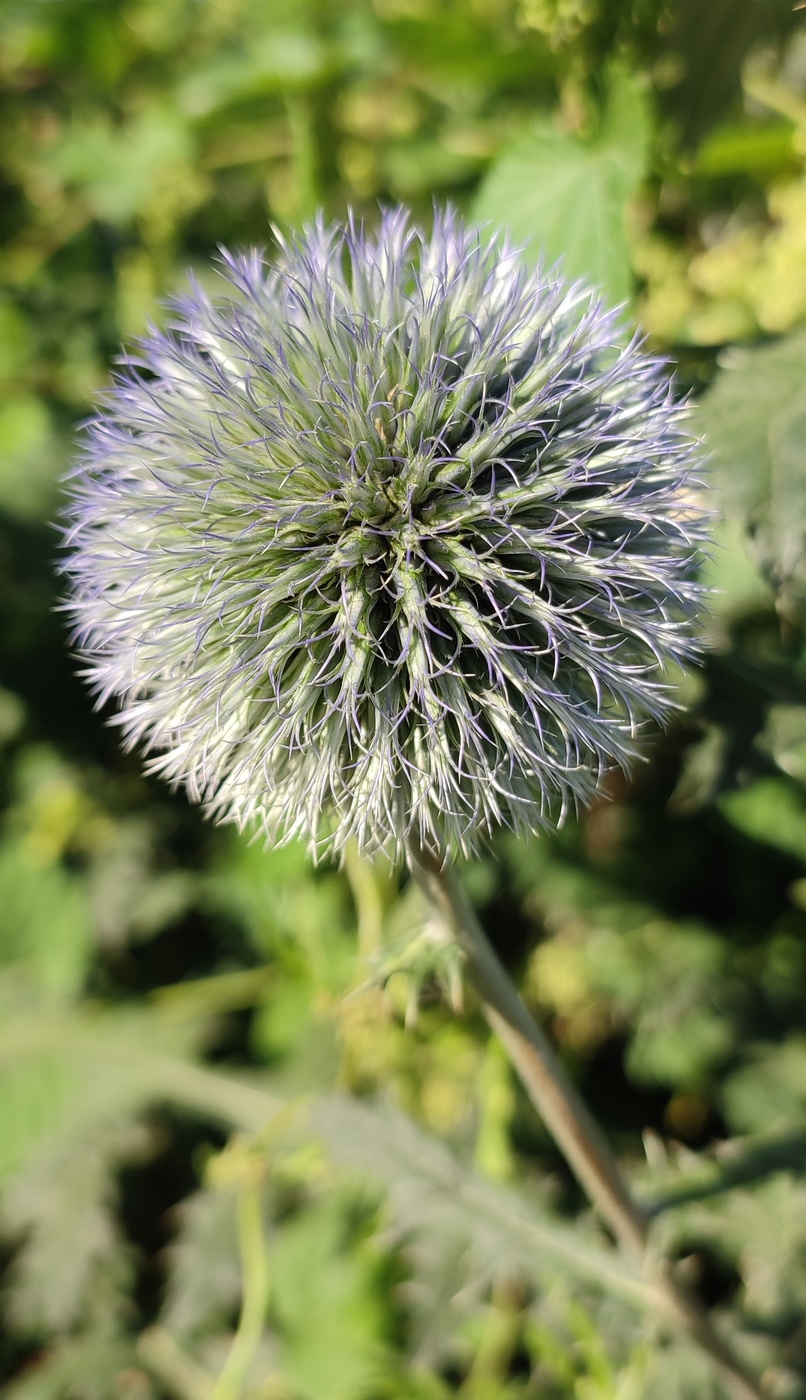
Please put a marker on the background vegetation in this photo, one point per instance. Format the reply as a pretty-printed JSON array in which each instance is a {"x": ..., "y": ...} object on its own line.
[{"x": 403, "y": 1227}]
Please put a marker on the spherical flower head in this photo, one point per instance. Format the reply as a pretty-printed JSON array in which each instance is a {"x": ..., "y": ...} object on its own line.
[{"x": 393, "y": 539}]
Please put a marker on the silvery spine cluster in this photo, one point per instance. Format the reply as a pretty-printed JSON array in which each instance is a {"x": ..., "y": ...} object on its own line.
[{"x": 393, "y": 538}]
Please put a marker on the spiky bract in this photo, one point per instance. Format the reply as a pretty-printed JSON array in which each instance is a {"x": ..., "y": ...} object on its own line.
[{"x": 392, "y": 538}]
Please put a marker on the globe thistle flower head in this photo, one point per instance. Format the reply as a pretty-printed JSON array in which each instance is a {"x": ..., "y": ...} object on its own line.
[{"x": 393, "y": 539}]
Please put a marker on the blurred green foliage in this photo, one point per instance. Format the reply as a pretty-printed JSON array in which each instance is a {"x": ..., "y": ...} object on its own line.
[{"x": 255, "y": 1144}]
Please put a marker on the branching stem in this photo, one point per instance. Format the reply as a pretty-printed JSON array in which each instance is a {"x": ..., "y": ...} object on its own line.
[{"x": 571, "y": 1124}]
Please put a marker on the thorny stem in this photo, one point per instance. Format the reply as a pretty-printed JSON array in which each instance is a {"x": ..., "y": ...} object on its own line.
[{"x": 571, "y": 1124}]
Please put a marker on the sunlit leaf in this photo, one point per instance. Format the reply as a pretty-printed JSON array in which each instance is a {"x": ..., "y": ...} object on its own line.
[
  {"x": 329, "y": 1305},
  {"x": 277, "y": 60},
  {"x": 118, "y": 170},
  {"x": 567, "y": 198},
  {"x": 771, "y": 810},
  {"x": 44, "y": 918},
  {"x": 30, "y": 458},
  {"x": 754, "y": 422}
]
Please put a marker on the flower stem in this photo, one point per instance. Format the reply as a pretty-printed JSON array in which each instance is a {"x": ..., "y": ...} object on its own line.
[
  {"x": 570, "y": 1122},
  {"x": 254, "y": 1265}
]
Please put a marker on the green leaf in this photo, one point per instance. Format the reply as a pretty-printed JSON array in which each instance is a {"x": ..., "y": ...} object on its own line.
[
  {"x": 72, "y": 1260},
  {"x": 44, "y": 918},
  {"x": 784, "y": 738},
  {"x": 421, "y": 166},
  {"x": 708, "y": 1176},
  {"x": 737, "y": 149},
  {"x": 300, "y": 918},
  {"x": 83, "y": 1368},
  {"x": 429, "y": 1189},
  {"x": 682, "y": 1051},
  {"x": 64, "y": 1069},
  {"x": 30, "y": 458},
  {"x": 430, "y": 1194},
  {"x": 73, "y": 1085},
  {"x": 329, "y": 1306},
  {"x": 771, "y": 810},
  {"x": 568, "y": 198},
  {"x": 274, "y": 62},
  {"x": 736, "y": 586},
  {"x": 204, "y": 1277},
  {"x": 119, "y": 170},
  {"x": 754, "y": 422},
  {"x": 33, "y": 1097},
  {"x": 16, "y": 342}
]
